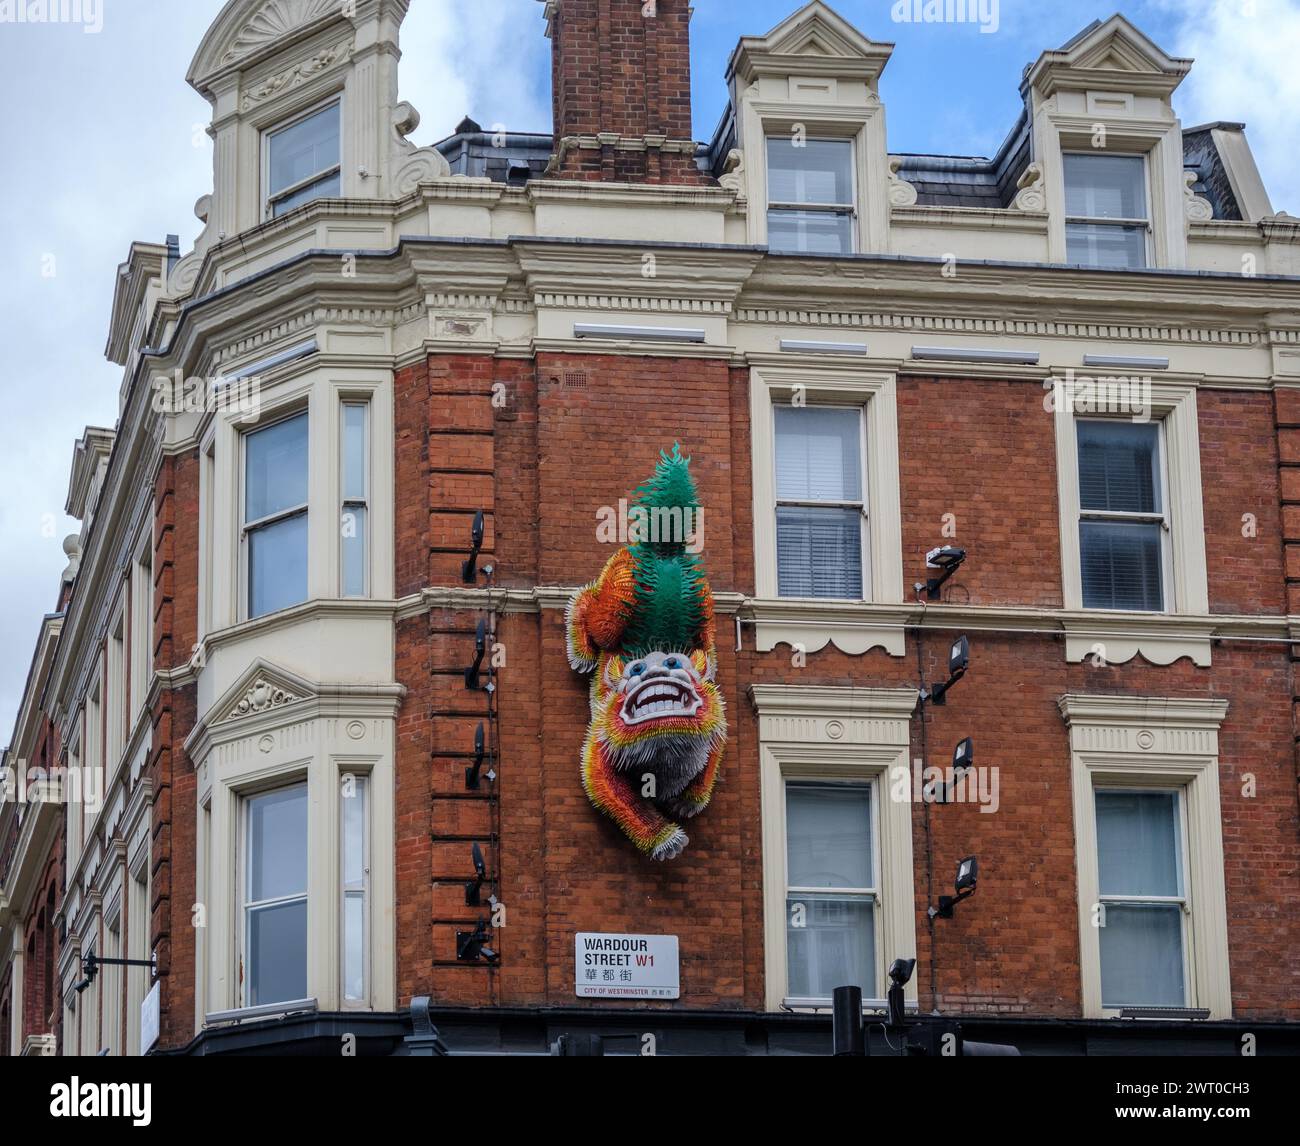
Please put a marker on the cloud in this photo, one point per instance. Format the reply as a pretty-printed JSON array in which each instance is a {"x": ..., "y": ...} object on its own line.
[
  {"x": 104, "y": 151},
  {"x": 1246, "y": 71}
]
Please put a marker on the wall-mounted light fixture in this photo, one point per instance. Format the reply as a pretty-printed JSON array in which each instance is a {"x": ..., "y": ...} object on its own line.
[
  {"x": 948, "y": 559},
  {"x": 480, "y": 650},
  {"x": 471, "y": 946},
  {"x": 967, "y": 876},
  {"x": 480, "y": 754},
  {"x": 958, "y": 662},
  {"x": 469, "y": 567},
  {"x": 474, "y": 888}
]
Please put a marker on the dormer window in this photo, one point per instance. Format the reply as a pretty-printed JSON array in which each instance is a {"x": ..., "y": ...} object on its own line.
[
  {"x": 303, "y": 161},
  {"x": 810, "y": 195},
  {"x": 1107, "y": 220}
]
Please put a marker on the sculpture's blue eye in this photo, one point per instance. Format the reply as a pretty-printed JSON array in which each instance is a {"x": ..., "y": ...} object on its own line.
[
  {"x": 673, "y": 662},
  {"x": 638, "y": 668}
]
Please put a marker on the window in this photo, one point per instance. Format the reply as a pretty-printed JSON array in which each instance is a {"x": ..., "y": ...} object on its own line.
[
  {"x": 1141, "y": 884},
  {"x": 355, "y": 862},
  {"x": 275, "y": 900},
  {"x": 810, "y": 195},
  {"x": 1123, "y": 524},
  {"x": 838, "y": 895},
  {"x": 820, "y": 507},
  {"x": 356, "y": 499},
  {"x": 1148, "y": 830},
  {"x": 303, "y": 161},
  {"x": 831, "y": 893},
  {"x": 275, "y": 516},
  {"x": 1106, "y": 216},
  {"x": 141, "y": 633},
  {"x": 137, "y": 947}
]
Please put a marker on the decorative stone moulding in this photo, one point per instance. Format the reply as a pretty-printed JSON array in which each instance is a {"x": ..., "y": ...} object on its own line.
[
  {"x": 1197, "y": 207},
  {"x": 901, "y": 192},
  {"x": 261, "y": 697},
  {"x": 1031, "y": 194}
]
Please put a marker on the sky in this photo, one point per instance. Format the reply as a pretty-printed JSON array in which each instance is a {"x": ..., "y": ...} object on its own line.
[{"x": 102, "y": 143}]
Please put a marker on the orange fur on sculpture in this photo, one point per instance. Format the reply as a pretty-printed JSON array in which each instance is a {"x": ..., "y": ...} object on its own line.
[{"x": 645, "y": 627}]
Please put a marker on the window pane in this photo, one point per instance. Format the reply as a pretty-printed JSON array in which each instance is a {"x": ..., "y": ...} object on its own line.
[
  {"x": 277, "y": 953},
  {"x": 275, "y": 468},
  {"x": 1107, "y": 245},
  {"x": 354, "y": 452},
  {"x": 1142, "y": 956},
  {"x": 354, "y": 946},
  {"x": 1118, "y": 466},
  {"x": 836, "y": 947},
  {"x": 307, "y": 148},
  {"x": 1138, "y": 843},
  {"x": 353, "y": 530},
  {"x": 1121, "y": 565},
  {"x": 818, "y": 453},
  {"x": 277, "y": 566},
  {"x": 818, "y": 171},
  {"x": 810, "y": 232},
  {"x": 1105, "y": 186},
  {"x": 354, "y": 833},
  {"x": 819, "y": 552},
  {"x": 828, "y": 835},
  {"x": 277, "y": 844},
  {"x": 328, "y": 188}
]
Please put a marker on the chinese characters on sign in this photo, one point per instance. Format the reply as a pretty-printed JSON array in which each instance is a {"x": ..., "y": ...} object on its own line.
[{"x": 625, "y": 966}]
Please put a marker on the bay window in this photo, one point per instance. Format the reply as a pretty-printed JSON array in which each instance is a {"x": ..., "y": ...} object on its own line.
[
  {"x": 275, "y": 516},
  {"x": 810, "y": 195},
  {"x": 303, "y": 161},
  {"x": 275, "y": 897}
]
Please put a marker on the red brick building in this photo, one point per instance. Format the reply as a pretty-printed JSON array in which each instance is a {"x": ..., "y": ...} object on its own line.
[{"x": 1073, "y": 363}]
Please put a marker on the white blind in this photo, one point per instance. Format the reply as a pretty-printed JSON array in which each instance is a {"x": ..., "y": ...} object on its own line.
[{"x": 818, "y": 453}]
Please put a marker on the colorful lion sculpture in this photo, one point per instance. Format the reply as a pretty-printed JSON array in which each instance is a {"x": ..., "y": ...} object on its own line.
[{"x": 645, "y": 626}]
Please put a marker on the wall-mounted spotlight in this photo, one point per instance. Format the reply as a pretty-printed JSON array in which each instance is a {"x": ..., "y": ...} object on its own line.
[
  {"x": 480, "y": 649},
  {"x": 963, "y": 759},
  {"x": 480, "y": 754},
  {"x": 469, "y": 567},
  {"x": 967, "y": 876},
  {"x": 475, "y": 885},
  {"x": 900, "y": 971},
  {"x": 948, "y": 559},
  {"x": 958, "y": 663},
  {"x": 473, "y": 945}
]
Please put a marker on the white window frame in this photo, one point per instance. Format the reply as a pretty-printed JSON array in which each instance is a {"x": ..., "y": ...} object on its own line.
[
  {"x": 1124, "y": 633},
  {"x": 850, "y": 208},
  {"x": 863, "y": 504},
  {"x": 243, "y": 972},
  {"x": 248, "y": 528},
  {"x": 349, "y": 504},
  {"x": 1150, "y": 743},
  {"x": 268, "y": 200},
  {"x": 835, "y": 733},
  {"x": 1147, "y": 224},
  {"x": 823, "y": 383},
  {"x": 362, "y": 776},
  {"x": 1164, "y": 518},
  {"x": 1137, "y": 786},
  {"x": 877, "y": 789}
]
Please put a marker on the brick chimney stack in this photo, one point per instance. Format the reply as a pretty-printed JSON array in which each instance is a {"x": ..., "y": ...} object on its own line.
[{"x": 621, "y": 83}]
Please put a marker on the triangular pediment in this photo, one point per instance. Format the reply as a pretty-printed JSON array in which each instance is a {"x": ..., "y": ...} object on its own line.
[
  {"x": 816, "y": 33},
  {"x": 261, "y": 688},
  {"x": 1107, "y": 52}
]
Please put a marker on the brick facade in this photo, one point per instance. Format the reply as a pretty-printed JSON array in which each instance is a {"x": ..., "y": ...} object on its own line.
[{"x": 580, "y": 432}]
